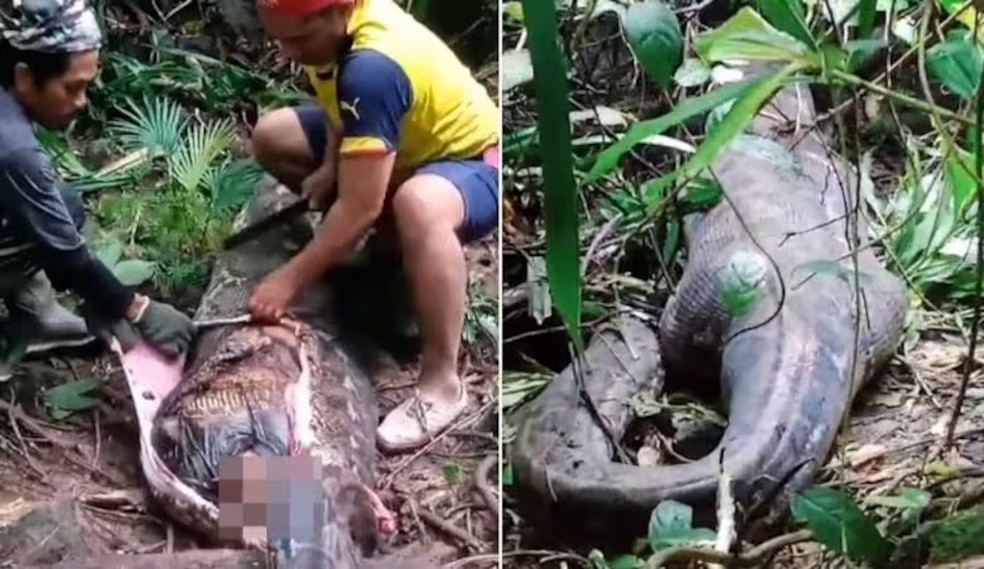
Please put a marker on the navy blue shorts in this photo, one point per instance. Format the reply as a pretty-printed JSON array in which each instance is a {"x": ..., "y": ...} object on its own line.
[{"x": 477, "y": 181}]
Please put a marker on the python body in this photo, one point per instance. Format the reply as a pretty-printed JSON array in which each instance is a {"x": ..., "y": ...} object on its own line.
[
  {"x": 266, "y": 391},
  {"x": 786, "y": 379}
]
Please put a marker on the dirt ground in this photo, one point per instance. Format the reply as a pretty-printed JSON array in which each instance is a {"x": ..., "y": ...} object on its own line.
[
  {"x": 73, "y": 488},
  {"x": 891, "y": 443}
]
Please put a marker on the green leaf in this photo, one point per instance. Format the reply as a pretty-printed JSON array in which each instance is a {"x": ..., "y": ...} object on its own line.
[
  {"x": 866, "y": 18},
  {"x": 157, "y": 125},
  {"x": 907, "y": 499},
  {"x": 203, "y": 144},
  {"x": 507, "y": 475},
  {"x": 608, "y": 159},
  {"x": 788, "y": 17},
  {"x": 670, "y": 525},
  {"x": 746, "y": 35},
  {"x": 561, "y": 190},
  {"x": 838, "y": 523},
  {"x": 232, "y": 184},
  {"x": 959, "y": 165},
  {"x": 134, "y": 272},
  {"x": 956, "y": 62},
  {"x": 967, "y": 17},
  {"x": 654, "y": 33},
  {"x": 72, "y": 396},
  {"x": 741, "y": 113},
  {"x": 514, "y": 10},
  {"x": 110, "y": 251},
  {"x": 626, "y": 562},
  {"x": 452, "y": 473}
]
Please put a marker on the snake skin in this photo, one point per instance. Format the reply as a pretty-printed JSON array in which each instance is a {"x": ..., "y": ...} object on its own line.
[
  {"x": 786, "y": 378},
  {"x": 237, "y": 379}
]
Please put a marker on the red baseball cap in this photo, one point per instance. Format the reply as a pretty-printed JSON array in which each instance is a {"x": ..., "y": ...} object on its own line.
[{"x": 301, "y": 7}]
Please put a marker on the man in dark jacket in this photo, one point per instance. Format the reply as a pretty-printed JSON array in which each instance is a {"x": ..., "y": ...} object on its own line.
[{"x": 49, "y": 55}]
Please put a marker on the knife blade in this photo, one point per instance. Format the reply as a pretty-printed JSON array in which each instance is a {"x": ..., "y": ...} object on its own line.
[{"x": 251, "y": 231}]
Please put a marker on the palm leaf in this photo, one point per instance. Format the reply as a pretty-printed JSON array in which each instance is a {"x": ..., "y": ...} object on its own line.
[
  {"x": 203, "y": 144},
  {"x": 231, "y": 184},
  {"x": 157, "y": 125}
]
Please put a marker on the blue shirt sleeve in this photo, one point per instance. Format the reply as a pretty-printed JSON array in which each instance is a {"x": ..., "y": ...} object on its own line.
[
  {"x": 374, "y": 94},
  {"x": 32, "y": 203}
]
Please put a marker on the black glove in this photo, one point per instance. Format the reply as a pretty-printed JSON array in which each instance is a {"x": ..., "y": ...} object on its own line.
[{"x": 160, "y": 324}]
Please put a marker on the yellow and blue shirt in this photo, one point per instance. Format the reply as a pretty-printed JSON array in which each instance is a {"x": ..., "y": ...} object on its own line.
[{"x": 400, "y": 88}]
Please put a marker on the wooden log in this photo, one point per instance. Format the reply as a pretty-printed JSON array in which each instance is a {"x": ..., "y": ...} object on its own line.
[
  {"x": 196, "y": 559},
  {"x": 431, "y": 557}
]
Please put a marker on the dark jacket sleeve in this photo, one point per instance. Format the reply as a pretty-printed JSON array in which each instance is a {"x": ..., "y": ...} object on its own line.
[{"x": 36, "y": 212}]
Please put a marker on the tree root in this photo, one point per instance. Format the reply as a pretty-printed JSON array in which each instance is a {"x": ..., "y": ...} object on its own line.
[{"x": 752, "y": 558}]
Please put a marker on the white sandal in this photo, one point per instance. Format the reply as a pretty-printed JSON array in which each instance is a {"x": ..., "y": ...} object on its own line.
[{"x": 415, "y": 422}]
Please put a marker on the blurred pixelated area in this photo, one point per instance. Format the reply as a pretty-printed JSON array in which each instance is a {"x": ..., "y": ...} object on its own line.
[{"x": 270, "y": 498}]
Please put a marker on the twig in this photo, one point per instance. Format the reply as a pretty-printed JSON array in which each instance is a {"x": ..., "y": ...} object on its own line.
[
  {"x": 547, "y": 555},
  {"x": 388, "y": 480},
  {"x": 752, "y": 558},
  {"x": 899, "y": 97},
  {"x": 921, "y": 442},
  {"x": 449, "y": 529},
  {"x": 23, "y": 445},
  {"x": 482, "y": 483}
]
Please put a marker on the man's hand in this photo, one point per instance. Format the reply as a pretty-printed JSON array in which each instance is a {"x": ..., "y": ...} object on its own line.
[
  {"x": 270, "y": 299},
  {"x": 319, "y": 186}
]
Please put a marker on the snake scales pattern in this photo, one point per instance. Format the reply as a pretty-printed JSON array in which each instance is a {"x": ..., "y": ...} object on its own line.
[{"x": 269, "y": 390}]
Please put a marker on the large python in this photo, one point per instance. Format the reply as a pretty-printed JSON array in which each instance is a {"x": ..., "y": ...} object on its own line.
[
  {"x": 267, "y": 392},
  {"x": 785, "y": 371}
]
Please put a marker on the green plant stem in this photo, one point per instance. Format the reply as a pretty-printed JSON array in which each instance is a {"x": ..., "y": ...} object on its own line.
[
  {"x": 979, "y": 269},
  {"x": 898, "y": 97}
]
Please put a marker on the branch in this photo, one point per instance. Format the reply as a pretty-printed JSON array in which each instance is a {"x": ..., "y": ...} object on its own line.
[{"x": 752, "y": 558}]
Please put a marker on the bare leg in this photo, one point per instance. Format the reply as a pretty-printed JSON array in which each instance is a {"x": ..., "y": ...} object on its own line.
[
  {"x": 428, "y": 212},
  {"x": 282, "y": 149}
]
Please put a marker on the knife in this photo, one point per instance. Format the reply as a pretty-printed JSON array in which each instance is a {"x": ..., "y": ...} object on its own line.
[{"x": 265, "y": 224}]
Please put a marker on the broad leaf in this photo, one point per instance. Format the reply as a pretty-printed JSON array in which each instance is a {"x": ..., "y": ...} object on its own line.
[
  {"x": 747, "y": 36},
  {"x": 134, "y": 272},
  {"x": 654, "y": 33},
  {"x": 110, "y": 251},
  {"x": 70, "y": 397},
  {"x": 957, "y": 63},
  {"x": 959, "y": 166},
  {"x": 907, "y": 499},
  {"x": 788, "y": 17},
  {"x": 670, "y": 525},
  {"x": 626, "y": 562},
  {"x": 838, "y": 523},
  {"x": 514, "y": 10}
]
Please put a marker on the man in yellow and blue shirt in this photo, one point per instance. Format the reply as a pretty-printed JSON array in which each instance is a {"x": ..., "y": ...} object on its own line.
[{"x": 408, "y": 140}]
